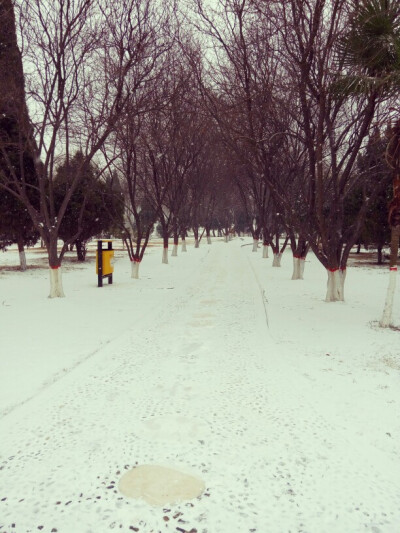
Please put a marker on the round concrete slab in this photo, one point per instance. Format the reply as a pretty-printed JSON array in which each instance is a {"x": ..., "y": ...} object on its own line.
[{"x": 158, "y": 485}]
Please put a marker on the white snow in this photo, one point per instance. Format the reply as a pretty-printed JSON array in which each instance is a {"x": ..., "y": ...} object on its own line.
[{"x": 218, "y": 365}]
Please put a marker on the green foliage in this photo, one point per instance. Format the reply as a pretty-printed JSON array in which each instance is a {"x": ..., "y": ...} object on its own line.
[
  {"x": 370, "y": 50},
  {"x": 372, "y": 43},
  {"x": 372, "y": 168},
  {"x": 15, "y": 223},
  {"x": 113, "y": 200},
  {"x": 16, "y": 162},
  {"x": 86, "y": 214}
]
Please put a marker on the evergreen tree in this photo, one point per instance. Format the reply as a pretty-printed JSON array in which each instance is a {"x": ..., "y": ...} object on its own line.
[
  {"x": 372, "y": 168},
  {"x": 86, "y": 215},
  {"x": 16, "y": 225},
  {"x": 16, "y": 153}
]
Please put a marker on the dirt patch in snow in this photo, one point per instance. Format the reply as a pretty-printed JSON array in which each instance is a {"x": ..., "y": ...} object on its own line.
[{"x": 159, "y": 486}]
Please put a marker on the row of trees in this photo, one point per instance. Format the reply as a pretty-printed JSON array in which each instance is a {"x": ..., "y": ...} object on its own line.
[
  {"x": 108, "y": 95},
  {"x": 279, "y": 107},
  {"x": 303, "y": 91}
]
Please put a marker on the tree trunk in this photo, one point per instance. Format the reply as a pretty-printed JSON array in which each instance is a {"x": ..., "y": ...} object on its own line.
[
  {"x": 165, "y": 248},
  {"x": 56, "y": 287},
  {"x": 276, "y": 262},
  {"x": 196, "y": 237},
  {"x": 135, "y": 264},
  {"x": 22, "y": 255},
  {"x": 380, "y": 258},
  {"x": 393, "y": 157},
  {"x": 296, "y": 268},
  {"x": 386, "y": 319},
  {"x": 184, "y": 249},
  {"x": 165, "y": 256},
  {"x": 302, "y": 265},
  {"x": 255, "y": 245},
  {"x": 300, "y": 252},
  {"x": 335, "y": 285},
  {"x": 176, "y": 243},
  {"x": 80, "y": 250},
  {"x": 265, "y": 251}
]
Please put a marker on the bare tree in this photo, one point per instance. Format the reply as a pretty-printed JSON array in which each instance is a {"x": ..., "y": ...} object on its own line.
[
  {"x": 244, "y": 76},
  {"x": 127, "y": 162},
  {"x": 334, "y": 129},
  {"x": 173, "y": 141},
  {"x": 77, "y": 57}
]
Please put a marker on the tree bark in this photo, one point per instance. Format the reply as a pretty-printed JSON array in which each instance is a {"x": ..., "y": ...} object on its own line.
[
  {"x": 135, "y": 264},
  {"x": 380, "y": 257},
  {"x": 393, "y": 159},
  {"x": 335, "y": 285},
  {"x": 296, "y": 268},
  {"x": 386, "y": 319},
  {"x": 80, "y": 250},
  {"x": 22, "y": 255},
  {"x": 196, "y": 237},
  {"x": 276, "y": 262},
  {"x": 165, "y": 249},
  {"x": 56, "y": 286}
]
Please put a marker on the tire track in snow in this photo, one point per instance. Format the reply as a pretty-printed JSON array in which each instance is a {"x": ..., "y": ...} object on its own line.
[{"x": 262, "y": 292}]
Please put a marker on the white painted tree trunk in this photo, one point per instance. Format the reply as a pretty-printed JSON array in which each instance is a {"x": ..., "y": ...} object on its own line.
[
  {"x": 265, "y": 251},
  {"x": 302, "y": 265},
  {"x": 22, "y": 260},
  {"x": 335, "y": 285},
  {"x": 135, "y": 269},
  {"x": 196, "y": 243},
  {"x": 208, "y": 239},
  {"x": 226, "y": 238},
  {"x": 184, "y": 245},
  {"x": 255, "y": 245},
  {"x": 230, "y": 237},
  {"x": 386, "y": 319},
  {"x": 165, "y": 256},
  {"x": 56, "y": 288},
  {"x": 296, "y": 268},
  {"x": 277, "y": 260},
  {"x": 174, "y": 250}
]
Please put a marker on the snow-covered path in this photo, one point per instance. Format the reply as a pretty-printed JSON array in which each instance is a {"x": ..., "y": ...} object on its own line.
[{"x": 200, "y": 382}]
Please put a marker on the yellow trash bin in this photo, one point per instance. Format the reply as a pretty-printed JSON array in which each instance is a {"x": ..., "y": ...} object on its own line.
[{"x": 104, "y": 262}]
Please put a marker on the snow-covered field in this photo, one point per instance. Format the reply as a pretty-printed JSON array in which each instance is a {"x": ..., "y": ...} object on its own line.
[{"x": 288, "y": 408}]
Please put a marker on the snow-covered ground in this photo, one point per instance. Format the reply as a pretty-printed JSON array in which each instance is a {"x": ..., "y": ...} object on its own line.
[{"x": 216, "y": 364}]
